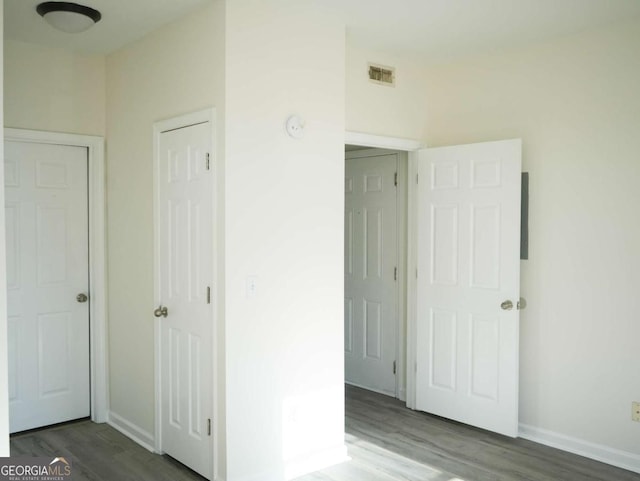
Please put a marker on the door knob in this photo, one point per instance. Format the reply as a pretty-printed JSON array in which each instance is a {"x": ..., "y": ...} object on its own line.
[
  {"x": 82, "y": 297},
  {"x": 522, "y": 303},
  {"x": 506, "y": 305},
  {"x": 161, "y": 312}
]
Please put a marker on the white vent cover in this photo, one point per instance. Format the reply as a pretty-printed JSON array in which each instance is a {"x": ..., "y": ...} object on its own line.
[{"x": 382, "y": 75}]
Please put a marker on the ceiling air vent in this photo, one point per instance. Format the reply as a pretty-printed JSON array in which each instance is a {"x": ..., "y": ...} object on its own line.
[{"x": 382, "y": 75}]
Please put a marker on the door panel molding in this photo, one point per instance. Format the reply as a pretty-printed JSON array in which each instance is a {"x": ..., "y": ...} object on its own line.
[{"x": 97, "y": 248}]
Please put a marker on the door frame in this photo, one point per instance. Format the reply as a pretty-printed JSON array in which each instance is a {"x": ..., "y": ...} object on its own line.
[
  {"x": 405, "y": 380},
  {"x": 99, "y": 395},
  {"x": 187, "y": 120}
]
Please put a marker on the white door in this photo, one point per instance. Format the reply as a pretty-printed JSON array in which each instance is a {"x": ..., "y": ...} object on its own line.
[
  {"x": 47, "y": 268},
  {"x": 468, "y": 277},
  {"x": 185, "y": 269},
  {"x": 371, "y": 324}
]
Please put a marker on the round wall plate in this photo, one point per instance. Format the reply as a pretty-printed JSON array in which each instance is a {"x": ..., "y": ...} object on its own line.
[{"x": 295, "y": 127}]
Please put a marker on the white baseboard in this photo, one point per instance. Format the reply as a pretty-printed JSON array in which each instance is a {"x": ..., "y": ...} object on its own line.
[
  {"x": 137, "y": 434},
  {"x": 315, "y": 462},
  {"x": 605, "y": 454},
  {"x": 379, "y": 391}
]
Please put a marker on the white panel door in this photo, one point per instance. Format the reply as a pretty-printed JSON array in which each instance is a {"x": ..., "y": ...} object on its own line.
[
  {"x": 371, "y": 325},
  {"x": 47, "y": 268},
  {"x": 468, "y": 273},
  {"x": 185, "y": 261}
]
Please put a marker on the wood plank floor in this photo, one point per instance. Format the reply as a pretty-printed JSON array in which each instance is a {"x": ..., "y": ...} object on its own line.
[
  {"x": 100, "y": 453},
  {"x": 386, "y": 442}
]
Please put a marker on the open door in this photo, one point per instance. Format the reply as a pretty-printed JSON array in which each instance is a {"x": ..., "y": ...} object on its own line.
[{"x": 468, "y": 283}]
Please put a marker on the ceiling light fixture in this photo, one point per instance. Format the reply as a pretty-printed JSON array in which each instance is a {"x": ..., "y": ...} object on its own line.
[{"x": 68, "y": 17}]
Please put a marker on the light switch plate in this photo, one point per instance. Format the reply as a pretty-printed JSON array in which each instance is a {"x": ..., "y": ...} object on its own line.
[{"x": 252, "y": 286}]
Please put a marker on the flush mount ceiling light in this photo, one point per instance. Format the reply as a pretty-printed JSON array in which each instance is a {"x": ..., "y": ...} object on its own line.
[{"x": 68, "y": 17}]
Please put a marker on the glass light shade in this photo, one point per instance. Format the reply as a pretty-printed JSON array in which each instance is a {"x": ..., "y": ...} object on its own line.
[
  {"x": 70, "y": 22},
  {"x": 68, "y": 17}
]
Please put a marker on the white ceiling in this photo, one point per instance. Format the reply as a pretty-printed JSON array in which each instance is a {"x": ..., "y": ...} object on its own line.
[
  {"x": 123, "y": 21},
  {"x": 440, "y": 29},
  {"x": 434, "y": 29}
]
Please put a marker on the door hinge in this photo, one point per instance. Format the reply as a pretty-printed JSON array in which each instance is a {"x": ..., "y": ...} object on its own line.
[
  {"x": 395, "y": 273},
  {"x": 416, "y": 272},
  {"x": 416, "y": 178},
  {"x": 208, "y": 295},
  {"x": 395, "y": 179},
  {"x": 394, "y": 367},
  {"x": 208, "y": 427},
  {"x": 208, "y": 160}
]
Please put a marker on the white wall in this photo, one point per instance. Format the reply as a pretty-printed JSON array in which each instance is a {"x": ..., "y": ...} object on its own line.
[
  {"x": 175, "y": 70},
  {"x": 4, "y": 369},
  {"x": 284, "y": 225},
  {"x": 398, "y": 111},
  {"x": 45, "y": 89},
  {"x": 575, "y": 104},
  {"x": 53, "y": 89}
]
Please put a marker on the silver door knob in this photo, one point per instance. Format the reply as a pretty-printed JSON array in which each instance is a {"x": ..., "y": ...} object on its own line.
[
  {"x": 522, "y": 303},
  {"x": 161, "y": 312},
  {"x": 506, "y": 305},
  {"x": 82, "y": 297}
]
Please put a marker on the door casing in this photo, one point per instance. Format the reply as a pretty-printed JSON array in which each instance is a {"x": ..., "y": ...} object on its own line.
[{"x": 97, "y": 259}]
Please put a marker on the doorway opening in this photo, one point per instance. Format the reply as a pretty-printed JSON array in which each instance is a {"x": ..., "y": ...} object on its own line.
[
  {"x": 462, "y": 246},
  {"x": 375, "y": 269},
  {"x": 398, "y": 151}
]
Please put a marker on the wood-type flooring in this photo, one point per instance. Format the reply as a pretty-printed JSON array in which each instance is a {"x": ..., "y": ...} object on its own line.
[{"x": 386, "y": 442}]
